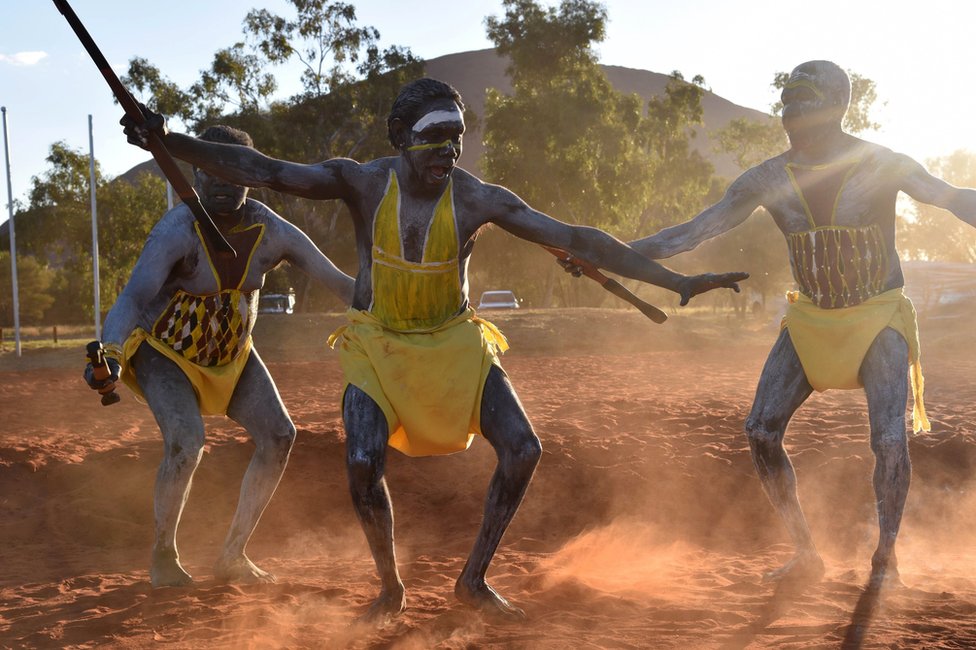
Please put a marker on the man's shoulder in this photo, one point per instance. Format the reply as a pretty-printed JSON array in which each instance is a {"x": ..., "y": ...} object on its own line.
[
  {"x": 769, "y": 172},
  {"x": 352, "y": 168},
  {"x": 256, "y": 210},
  {"x": 179, "y": 218},
  {"x": 882, "y": 155},
  {"x": 175, "y": 231},
  {"x": 473, "y": 187},
  {"x": 275, "y": 224}
]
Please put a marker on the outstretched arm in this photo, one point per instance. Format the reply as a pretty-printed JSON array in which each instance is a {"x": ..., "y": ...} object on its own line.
[
  {"x": 923, "y": 186},
  {"x": 303, "y": 253},
  {"x": 244, "y": 165},
  {"x": 740, "y": 200},
  {"x": 596, "y": 246}
]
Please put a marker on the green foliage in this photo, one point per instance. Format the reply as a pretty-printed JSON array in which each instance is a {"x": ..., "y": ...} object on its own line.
[
  {"x": 167, "y": 97},
  {"x": 34, "y": 280},
  {"x": 571, "y": 145},
  {"x": 681, "y": 181},
  {"x": 563, "y": 138},
  {"x": 936, "y": 234},
  {"x": 546, "y": 43},
  {"x": 55, "y": 230},
  {"x": 863, "y": 96},
  {"x": 323, "y": 37},
  {"x": 348, "y": 85},
  {"x": 330, "y": 48},
  {"x": 751, "y": 142},
  {"x": 54, "y": 224},
  {"x": 127, "y": 211}
]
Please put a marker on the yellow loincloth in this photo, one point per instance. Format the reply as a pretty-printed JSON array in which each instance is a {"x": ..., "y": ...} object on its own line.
[
  {"x": 428, "y": 383},
  {"x": 831, "y": 343},
  {"x": 213, "y": 385}
]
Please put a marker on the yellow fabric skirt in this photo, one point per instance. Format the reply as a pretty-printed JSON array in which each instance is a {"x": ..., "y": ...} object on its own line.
[
  {"x": 831, "y": 343},
  {"x": 214, "y": 385},
  {"x": 428, "y": 383}
]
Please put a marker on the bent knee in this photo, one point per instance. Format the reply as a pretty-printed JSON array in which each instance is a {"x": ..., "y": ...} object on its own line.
[
  {"x": 526, "y": 453},
  {"x": 284, "y": 438},
  {"x": 185, "y": 449},
  {"x": 762, "y": 433},
  {"x": 363, "y": 468},
  {"x": 891, "y": 439}
]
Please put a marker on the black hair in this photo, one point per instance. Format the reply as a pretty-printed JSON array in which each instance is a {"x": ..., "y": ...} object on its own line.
[
  {"x": 413, "y": 97},
  {"x": 227, "y": 135}
]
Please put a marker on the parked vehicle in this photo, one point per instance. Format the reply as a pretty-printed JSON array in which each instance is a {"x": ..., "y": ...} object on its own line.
[
  {"x": 498, "y": 300},
  {"x": 276, "y": 303}
]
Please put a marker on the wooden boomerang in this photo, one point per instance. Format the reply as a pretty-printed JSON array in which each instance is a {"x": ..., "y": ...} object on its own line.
[
  {"x": 156, "y": 147},
  {"x": 610, "y": 285}
]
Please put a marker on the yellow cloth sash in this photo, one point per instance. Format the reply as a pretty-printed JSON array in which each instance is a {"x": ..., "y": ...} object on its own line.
[
  {"x": 213, "y": 385},
  {"x": 208, "y": 337},
  {"x": 415, "y": 352},
  {"x": 428, "y": 383},
  {"x": 831, "y": 343}
]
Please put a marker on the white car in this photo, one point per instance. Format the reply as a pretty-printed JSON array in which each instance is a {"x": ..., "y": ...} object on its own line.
[
  {"x": 498, "y": 300},
  {"x": 276, "y": 303}
]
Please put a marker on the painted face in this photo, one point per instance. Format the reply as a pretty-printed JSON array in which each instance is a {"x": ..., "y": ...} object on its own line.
[
  {"x": 813, "y": 101},
  {"x": 219, "y": 197},
  {"x": 434, "y": 143}
]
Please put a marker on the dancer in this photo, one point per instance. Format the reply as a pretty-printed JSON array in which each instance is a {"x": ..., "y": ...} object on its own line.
[
  {"x": 850, "y": 325},
  {"x": 179, "y": 336},
  {"x": 422, "y": 368}
]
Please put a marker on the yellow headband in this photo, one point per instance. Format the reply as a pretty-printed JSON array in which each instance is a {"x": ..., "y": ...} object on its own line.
[
  {"x": 433, "y": 145},
  {"x": 806, "y": 84}
]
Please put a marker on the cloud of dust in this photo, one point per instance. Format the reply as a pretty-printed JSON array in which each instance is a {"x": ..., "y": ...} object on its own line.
[
  {"x": 331, "y": 620},
  {"x": 468, "y": 635},
  {"x": 338, "y": 543},
  {"x": 938, "y": 535},
  {"x": 307, "y": 620},
  {"x": 624, "y": 556},
  {"x": 937, "y": 540}
]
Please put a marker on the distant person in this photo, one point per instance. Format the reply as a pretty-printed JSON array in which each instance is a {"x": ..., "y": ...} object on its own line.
[
  {"x": 422, "y": 369},
  {"x": 850, "y": 325},
  {"x": 179, "y": 336}
]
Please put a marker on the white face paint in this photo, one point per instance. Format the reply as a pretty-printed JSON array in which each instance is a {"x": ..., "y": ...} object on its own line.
[{"x": 438, "y": 117}]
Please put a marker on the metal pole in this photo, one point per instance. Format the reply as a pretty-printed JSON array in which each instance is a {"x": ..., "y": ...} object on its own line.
[
  {"x": 13, "y": 238},
  {"x": 169, "y": 196},
  {"x": 94, "y": 212}
]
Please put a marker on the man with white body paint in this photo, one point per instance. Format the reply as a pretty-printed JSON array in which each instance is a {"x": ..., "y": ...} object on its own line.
[
  {"x": 179, "y": 336},
  {"x": 850, "y": 325},
  {"x": 421, "y": 368}
]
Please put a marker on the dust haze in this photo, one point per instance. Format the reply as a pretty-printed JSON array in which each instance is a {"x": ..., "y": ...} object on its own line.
[{"x": 645, "y": 525}]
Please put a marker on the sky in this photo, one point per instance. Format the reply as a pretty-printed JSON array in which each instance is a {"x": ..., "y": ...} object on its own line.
[{"x": 916, "y": 52}]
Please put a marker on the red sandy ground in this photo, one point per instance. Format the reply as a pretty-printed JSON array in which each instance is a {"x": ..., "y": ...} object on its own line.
[{"x": 645, "y": 526}]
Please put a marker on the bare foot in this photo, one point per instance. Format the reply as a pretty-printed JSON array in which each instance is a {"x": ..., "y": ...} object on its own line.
[
  {"x": 805, "y": 567},
  {"x": 387, "y": 605},
  {"x": 166, "y": 570},
  {"x": 241, "y": 569},
  {"x": 884, "y": 575},
  {"x": 488, "y": 601}
]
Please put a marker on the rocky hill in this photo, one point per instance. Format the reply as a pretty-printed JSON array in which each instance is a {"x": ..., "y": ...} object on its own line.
[{"x": 474, "y": 72}]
